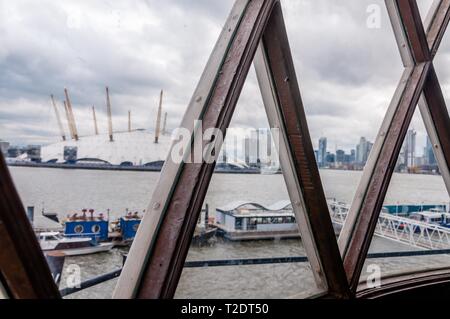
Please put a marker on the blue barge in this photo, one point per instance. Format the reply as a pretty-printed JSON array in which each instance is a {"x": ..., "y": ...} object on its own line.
[{"x": 99, "y": 228}]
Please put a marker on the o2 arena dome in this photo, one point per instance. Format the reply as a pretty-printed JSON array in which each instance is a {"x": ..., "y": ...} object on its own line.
[{"x": 129, "y": 148}]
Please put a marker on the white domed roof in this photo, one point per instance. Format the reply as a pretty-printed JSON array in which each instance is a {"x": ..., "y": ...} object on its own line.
[{"x": 137, "y": 147}]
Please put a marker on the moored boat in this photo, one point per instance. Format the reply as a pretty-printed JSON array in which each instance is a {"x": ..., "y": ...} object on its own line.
[
  {"x": 71, "y": 246},
  {"x": 252, "y": 221},
  {"x": 125, "y": 228},
  {"x": 121, "y": 231}
]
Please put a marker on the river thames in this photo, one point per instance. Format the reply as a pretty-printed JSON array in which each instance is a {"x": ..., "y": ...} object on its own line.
[{"x": 68, "y": 191}]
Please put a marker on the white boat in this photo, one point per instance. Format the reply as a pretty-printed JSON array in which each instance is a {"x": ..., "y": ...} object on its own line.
[
  {"x": 54, "y": 241},
  {"x": 430, "y": 217}
]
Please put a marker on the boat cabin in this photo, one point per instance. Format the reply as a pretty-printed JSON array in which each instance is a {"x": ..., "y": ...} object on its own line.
[
  {"x": 409, "y": 209},
  {"x": 432, "y": 216},
  {"x": 244, "y": 220},
  {"x": 92, "y": 225},
  {"x": 129, "y": 225},
  {"x": 56, "y": 241}
]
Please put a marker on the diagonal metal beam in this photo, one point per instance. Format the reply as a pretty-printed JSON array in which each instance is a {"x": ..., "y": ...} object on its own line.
[
  {"x": 358, "y": 230},
  {"x": 436, "y": 24},
  {"x": 409, "y": 16},
  {"x": 157, "y": 255},
  {"x": 437, "y": 123},
  {"x": 281, "y": 95},
  {"x": 432, "y": 103},
  {"x": 24, "y": 272},
  {"x": 357, "y": 239}
]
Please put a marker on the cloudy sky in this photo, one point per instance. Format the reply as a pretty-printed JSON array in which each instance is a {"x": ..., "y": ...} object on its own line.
[{"x": 346, "y": 70}]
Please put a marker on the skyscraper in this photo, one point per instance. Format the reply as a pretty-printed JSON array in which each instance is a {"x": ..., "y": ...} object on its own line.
[
  {"x": 322, "y": 152},
  {"x": 362, "y": 150},
  {"x": 223, "y": 153},
  {"x": 340, "y": 156},
  {"x": 4, "y": 146},
  {"x": 352, "y": 156},
  {"x": 409, "y": 148},
  {"x": 251, "y": 148},
  {"x": 429, "y": 153}
]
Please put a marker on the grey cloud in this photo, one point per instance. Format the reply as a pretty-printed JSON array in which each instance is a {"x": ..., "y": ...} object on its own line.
[{"x": 347, "y": 72}]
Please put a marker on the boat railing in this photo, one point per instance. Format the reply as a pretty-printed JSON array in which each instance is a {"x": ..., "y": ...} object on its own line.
[
  {"x": 406, "y": 230},
  {"x": 95, "y": 237}
]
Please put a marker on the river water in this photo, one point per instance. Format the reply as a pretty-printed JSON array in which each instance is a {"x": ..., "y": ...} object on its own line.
[{"x": 68, "y": 191}]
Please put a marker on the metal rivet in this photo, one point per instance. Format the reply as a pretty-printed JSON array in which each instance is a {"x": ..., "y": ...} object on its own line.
[
  {"x": 156, "y": 205},
  {"x": 198, "y": 99}
]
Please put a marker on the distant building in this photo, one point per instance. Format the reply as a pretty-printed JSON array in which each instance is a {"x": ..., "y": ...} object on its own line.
[
  {"x": 430, "y": 159},
  {"x": 362, "y": 151},
  {"x": 33, "y": 153},
  {"x": 408, "y": 154},
  {"x": 4, "y": 147},
  {"x": 235, "y": 149},
  {"x": 14, "y": 151},
  {"x": 340, "y": 157},
  {"x": 352, "y": 156},
  {"x": 322, "y": 152},
  {"x": 70, "y": 154},
  {"x": 250, "y": 148},
  {"x": 348, "y": 159},
  {"x": 266, "y": 149},
  {"x": 330, "y": 158},
  {"x": 419, "y": 161},
  {"x": 223, "y": 155}
]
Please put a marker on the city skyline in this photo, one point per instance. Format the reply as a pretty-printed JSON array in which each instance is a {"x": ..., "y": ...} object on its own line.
[
  {"x": 254, "y": 145},
  {"x": 357, "y": 156}
]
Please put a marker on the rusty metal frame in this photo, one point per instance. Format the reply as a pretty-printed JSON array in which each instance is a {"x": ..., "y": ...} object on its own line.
[
  {"x": 159, "y": 250},
  {"x": 282, "y": 100},
  {"x": 417, "y": 49},
  {"x": 24, "y": 272},
  {"x": 255, "y": 30}
]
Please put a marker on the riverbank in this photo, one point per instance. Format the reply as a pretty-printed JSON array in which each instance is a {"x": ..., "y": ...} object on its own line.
[{"x": 139, "y": 168}]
